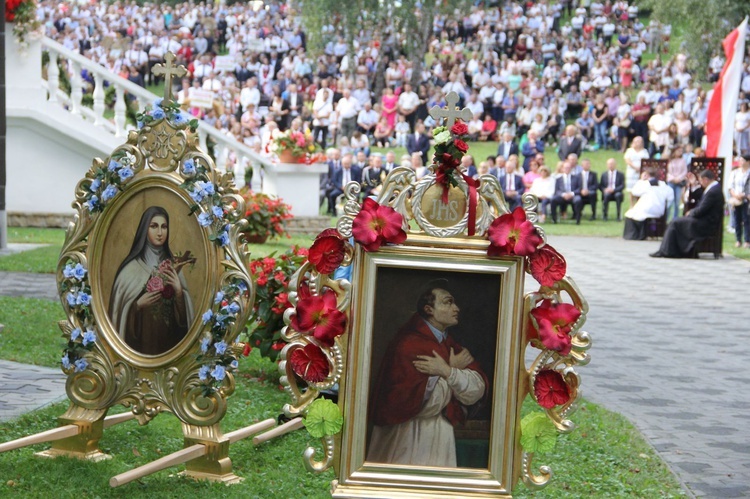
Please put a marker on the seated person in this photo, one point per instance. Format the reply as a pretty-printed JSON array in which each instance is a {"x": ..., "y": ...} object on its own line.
[
  {"x": 587, "y": 192},
  {"x": 373, "y": 176},
  {"x": 347, "y": 173},
  {"x": 512, "y": 185},
  {"x": 693, "y": 193},
  {"x": 653, "y": 198},
  {"x": 612, "y": 184},
  {"x": 701, "y": 222},
  {"x": 383, "y": 133},
  {"x": 489, "y": 127},
  {"x": 543, "y": 188},
  {"x": 565, "y": 187}
]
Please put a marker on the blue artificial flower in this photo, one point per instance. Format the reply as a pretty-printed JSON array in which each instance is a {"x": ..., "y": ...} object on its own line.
[
  {"x": 219, "y": 372},
  {"x": 234, "y": 364},
  {"x": 91, "y": 203},
  {"x": 139, "y": 124},
  {"x": 113, "y": 165},
  {"x": 233, "y": 307},
  {"x": 68, "y": 271},
  {"x": 188, "y": 167},
  {"x": 203, "y": 372},
  {"x": 125, "y": 173},
  {"x": 74, "y": 334},
  {"x": 157, "y": 102},
  {"x": 217, "y": 211},
  {"x": 208, "y": 187},
  {"x": 197, "y": 195},
  {"x": 89, "y": 337},
  {"x": 205, "y": 342},
  {"x": 109, "y": 193},
  {"x": 157, "y": 113},
  {"x": 95, "y": 185},
  {"x": 224, "y": 238},
  {"x": 81, "y": 365},
  {"x": 205, "y": 219},
  {"x": 219, "y": 297},
  {"x": 65, "y": 361},
  {"x": 180, "y": 118},
  {"x": 83, "y": 299},
  {"x": 221, "y": 347},
  {"x": 242, "y": 286},
  {"x": 220, "y": 318},
  {"x": 207, "y": 316},
  {"x": 71, "y": 297},
  {"x": 79, "y": 272}
]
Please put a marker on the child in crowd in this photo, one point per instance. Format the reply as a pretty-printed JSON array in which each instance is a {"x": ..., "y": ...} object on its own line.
[{"x": 402, "y": 131}]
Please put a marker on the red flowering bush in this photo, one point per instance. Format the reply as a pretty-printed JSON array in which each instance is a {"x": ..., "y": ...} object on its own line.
[
  {"x": 550, "y": 389},
  {"x": 375, "y": 225},
  {"x": 547, "y": 266},
  {"x": 328, "y": 251},
  {"x": 271, "y": 277},
  {"x": 319, "y": 317},
  {"x": 310, "y": 363},
  {"x": 512, "y": 234},
  {"x": 265, "y": 215},
  {"x": 553, "y": 323}
]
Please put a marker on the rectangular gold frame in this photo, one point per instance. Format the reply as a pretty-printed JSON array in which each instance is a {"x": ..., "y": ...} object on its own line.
[{"x": 359, "y": 478}]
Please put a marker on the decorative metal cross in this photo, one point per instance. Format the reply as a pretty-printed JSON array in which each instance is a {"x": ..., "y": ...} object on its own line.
[
  {"x": 168, "y": 71},
  {"x": 451, "y": 111}
]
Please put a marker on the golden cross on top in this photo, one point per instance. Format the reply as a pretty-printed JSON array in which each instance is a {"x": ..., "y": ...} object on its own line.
[
  {"x": 168, "y": 71},
  {"x": 451, "y": 111}
]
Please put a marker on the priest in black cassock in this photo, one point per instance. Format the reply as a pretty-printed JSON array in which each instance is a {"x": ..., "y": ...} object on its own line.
[{"x": 701, "y": 222}]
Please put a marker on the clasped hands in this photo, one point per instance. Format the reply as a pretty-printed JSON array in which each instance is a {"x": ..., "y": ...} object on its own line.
[{"x": 435, "y": 365}]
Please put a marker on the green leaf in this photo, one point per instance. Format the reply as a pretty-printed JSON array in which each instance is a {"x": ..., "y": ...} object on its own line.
[
  {"x": 538, "y": 433},
  {"x": 323, "y": 418}
]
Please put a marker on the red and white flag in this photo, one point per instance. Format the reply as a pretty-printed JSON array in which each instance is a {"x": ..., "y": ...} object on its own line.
[{"x": 723, "y": 106}]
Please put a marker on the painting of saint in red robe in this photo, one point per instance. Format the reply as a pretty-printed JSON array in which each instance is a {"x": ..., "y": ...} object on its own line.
[{"x": 427, "y": 385}]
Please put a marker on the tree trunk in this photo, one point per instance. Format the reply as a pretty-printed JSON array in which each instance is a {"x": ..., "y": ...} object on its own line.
[{"x": 418, "y": 46}]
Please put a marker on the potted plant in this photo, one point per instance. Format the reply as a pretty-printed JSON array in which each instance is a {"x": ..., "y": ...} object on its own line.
[
  {"x": 22, "y": 15},
  {"x": 266, "y": 216},
  {"x": 293, "y": 146}
]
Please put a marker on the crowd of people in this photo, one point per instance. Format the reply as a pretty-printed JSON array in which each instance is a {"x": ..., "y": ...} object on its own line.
[{"x": 571, "y": 75}]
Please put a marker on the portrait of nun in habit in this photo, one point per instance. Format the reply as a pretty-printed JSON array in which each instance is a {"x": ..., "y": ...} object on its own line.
[{"x": 150, "y": 305}]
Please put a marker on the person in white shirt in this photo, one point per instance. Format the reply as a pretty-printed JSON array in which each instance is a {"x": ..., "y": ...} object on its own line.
[
  {"x": 653, "y": 198},
  {"x": 407, "y": 104}
]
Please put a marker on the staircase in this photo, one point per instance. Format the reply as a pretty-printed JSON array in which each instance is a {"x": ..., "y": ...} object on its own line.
[{"x": 52, "y": 138}]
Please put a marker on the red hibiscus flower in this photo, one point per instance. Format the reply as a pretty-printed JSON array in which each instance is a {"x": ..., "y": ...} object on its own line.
[
  {"x": 376, "y": 224},
  {"x": 319, "y": 317},
  {"x": 310, "y": 363},
  {"x": 554, "y": 323},
  {"x": 327, "y": 252},
  {"x": 512, "y": 234},
  {"x": 459, "y": 128},
  {"x": 550, "y": 389},
  {"x": 547, "y": 266},
  {"x": 156, "y": 283},
  {"x": 461, "y": 145}
]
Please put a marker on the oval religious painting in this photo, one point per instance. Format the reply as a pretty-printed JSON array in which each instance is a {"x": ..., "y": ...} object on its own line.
[{"x": 153, "y": 271}]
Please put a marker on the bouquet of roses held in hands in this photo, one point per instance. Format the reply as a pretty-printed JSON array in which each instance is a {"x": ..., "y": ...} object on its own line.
[{"x": 162, "y": 283}]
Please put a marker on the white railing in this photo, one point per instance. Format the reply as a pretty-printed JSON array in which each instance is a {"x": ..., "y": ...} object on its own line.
[{"x": 225, "y": 147}]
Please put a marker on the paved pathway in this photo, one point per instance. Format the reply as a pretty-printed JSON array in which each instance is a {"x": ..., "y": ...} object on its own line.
[
  {"x": 24, "y": 388},
  {"x": 670, "y": 339},
  {"x": 670, "y": 344}
]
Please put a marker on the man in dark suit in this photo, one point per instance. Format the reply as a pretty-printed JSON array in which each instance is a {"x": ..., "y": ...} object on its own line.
[
  {"x": 294, "y": 101},
  {"x": 512, "y": 185},
  {"x": 570, "y": 143},
  {"x": 347, "y": 173},
  {"x": 587, "y": 191},
  {"x": 531, "y": 148},
  {"x": 419, "y": 142},
  {"x": 702, "y": 221},
  {"x": 506, "y": 147},
  {"x": 565, "y": 187},
  {"x": 327, "y": 185},
  {"x": 612, "y": 183},
  {"x": 373, "y": 176}
]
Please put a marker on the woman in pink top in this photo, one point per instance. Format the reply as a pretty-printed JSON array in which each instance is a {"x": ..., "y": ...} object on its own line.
[
  {"x": 676, "y": 177},
  {"x": 389, "y": 101},
  {"x": 626, "y": 71}
]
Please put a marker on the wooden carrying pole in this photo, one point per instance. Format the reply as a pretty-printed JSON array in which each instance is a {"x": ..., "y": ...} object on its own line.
[
  {"x": 289, "y": 426},
  {"x": 185, "y": 455},
  {"x": 66, "y": 431}
]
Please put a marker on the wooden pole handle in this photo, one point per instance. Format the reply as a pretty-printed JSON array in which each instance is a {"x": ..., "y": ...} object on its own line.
[
  {"x": 40, "y": 438},
  {"x": 117, "y": 419},
  {"x": 287, "y": 427},
  {"x": 179, "y": 457},
  {"x": 250, "y": 430}
]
